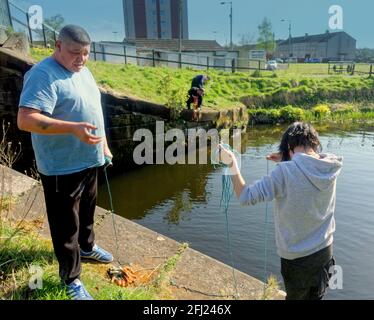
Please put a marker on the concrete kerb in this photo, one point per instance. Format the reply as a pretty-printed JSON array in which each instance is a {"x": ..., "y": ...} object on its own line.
[{"x": 195, "y": 277}]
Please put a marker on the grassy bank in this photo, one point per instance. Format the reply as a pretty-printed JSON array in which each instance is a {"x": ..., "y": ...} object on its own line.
[
  {"x": 257, "y": 90},
  {"x": 23, "y": 248}
]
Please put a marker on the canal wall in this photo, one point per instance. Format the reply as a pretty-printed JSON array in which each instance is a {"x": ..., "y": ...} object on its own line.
[{"x": 196, "y": 276}]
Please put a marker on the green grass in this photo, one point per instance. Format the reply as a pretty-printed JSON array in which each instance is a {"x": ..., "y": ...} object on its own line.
[
  {"x": 301, "y": 85},
  {"x": 22, "y": 248},
  {"x": 297, "y": 70},
  {"x": 302, "y": 69},
  {"x": 270, "y": 288}
]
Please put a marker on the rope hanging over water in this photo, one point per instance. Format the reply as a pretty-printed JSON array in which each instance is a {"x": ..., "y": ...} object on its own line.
[
  {"x": 266, "y": 232},
  {"x": 226, "y": 195}
]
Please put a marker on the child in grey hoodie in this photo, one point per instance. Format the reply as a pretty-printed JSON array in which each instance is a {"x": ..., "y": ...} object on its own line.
[{"x": 303, "y": 186}]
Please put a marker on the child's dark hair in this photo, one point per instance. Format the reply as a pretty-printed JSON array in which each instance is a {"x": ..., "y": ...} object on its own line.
[{"x": 299, "y": 134}]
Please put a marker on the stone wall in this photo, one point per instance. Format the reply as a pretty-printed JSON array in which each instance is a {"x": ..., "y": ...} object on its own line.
[
  {"x": 12, "y": 69},
  {"x": 121, "y": 125}
]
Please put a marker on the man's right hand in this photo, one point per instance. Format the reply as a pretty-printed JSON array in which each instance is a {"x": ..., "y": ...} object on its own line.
[
  {"x": 82, "y": 132},
  {"x": 32, "y": 120}
]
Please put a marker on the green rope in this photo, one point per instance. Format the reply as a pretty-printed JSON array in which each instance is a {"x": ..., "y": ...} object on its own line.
[
  {"x": 266, "y": 232},
  {"x": 112, "y": 212},
  {"x": 226, "y": 195}
]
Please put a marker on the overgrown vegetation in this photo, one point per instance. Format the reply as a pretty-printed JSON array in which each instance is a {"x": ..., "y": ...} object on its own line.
[
  {"x": 270, "y": 288},
  {"x": 22, "y": 248},
  {"x": 28, "y": 249},
  {"x": 322, "y": 112},
  {"x": 300, "y": 88}
]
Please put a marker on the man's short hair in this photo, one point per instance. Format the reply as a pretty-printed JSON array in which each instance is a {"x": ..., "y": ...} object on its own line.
[{"x": 74, "y": 33}]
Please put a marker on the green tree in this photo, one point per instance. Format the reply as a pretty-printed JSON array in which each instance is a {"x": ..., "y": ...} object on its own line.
[
  {"x": 365, "y": 55},
  {"x": 266, "y": 39},
  {"x": 56, "y": 23}
]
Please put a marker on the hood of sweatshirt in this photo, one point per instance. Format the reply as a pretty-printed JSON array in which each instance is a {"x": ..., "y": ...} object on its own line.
[{"x": 320, "y": 172}]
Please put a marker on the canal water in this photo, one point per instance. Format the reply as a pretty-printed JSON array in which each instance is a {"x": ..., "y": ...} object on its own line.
[{"x": 182, "y": 202}]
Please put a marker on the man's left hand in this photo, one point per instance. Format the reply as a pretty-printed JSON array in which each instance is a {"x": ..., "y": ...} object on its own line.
[{"x": 108, "y": 155}]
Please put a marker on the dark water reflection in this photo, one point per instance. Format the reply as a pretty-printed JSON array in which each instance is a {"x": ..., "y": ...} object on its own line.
[{"x": 182, "y": 202}]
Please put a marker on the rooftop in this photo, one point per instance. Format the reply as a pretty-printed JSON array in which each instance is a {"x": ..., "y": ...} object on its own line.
[
  {"x": 173, "y": 44},
  {"x": 313, "y": 38}
]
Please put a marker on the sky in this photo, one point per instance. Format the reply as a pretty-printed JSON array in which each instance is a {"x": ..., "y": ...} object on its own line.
[{"x": 208, "y": 19}]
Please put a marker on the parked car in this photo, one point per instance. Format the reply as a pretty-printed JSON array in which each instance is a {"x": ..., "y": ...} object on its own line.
[
  {"x": 313, "y": 60},
  {"x": 272, "y": 65}
]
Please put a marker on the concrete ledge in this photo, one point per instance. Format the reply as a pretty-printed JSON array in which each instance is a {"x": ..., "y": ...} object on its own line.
[
  {"x": 196, "y": 275},
  {"x": 13, "y": 60},
  {"x": 15, "y": 183}
]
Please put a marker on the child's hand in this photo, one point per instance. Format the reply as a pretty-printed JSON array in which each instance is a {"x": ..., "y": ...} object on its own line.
[
  {"x": 226, "y": 156},
  {"x": 276, "y": 157}
]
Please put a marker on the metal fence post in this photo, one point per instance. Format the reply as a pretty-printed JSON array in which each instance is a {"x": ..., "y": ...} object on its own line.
[
  {"x": 153, "y": 58},
  {"x": 259, "y": 65},
  {"x": 328, "y": 72},
  {"x": 371, "y": 71},
  {"x": 28, "y": 27},
  {"x": 207, "y": 63},
  {"x": 94, "y": 50},
  {"x": 44, "y": 37},
  {"x": 233, "y": 65},
  {"x": 180, "y": 60},
  {"x": 10, "y": 14},
  {"x": 102, "y": 50},
  {"x": 124, "y": 51}
]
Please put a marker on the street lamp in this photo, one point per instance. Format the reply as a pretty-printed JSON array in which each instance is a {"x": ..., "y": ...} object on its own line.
[
  {"x": 230, "y": 3},
  {"x": 180, "y": 27},
  {"x": 215, "y": 34},
  {"x": 289, "y": 36}
]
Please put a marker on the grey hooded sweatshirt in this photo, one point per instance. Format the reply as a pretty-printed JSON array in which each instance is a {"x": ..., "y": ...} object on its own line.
[{"x": 304, "y": 190}]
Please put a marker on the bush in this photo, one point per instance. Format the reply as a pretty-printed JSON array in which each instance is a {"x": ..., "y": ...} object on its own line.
[
  {"x": 286, "y": 114},
  {"x": 256, "y": 74},
  {"x": 264, "y": 116},
  {"x": 107, "y": 82},
  {"x": 291, "y": 114},
  {"x": 304, "y": 82},
  {"x": 321, "y": 111}
]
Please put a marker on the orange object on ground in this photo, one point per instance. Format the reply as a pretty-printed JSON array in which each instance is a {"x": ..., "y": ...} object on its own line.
[{"x": 127, "y": 276}]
